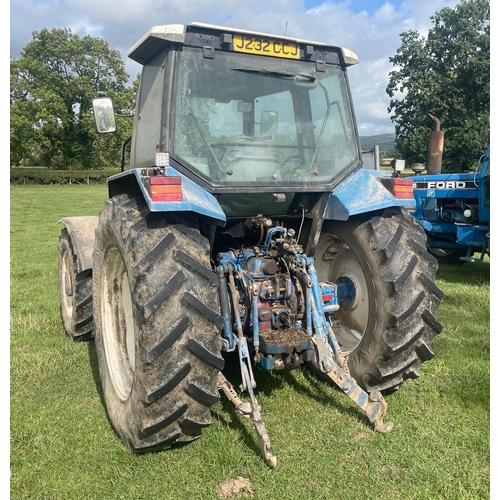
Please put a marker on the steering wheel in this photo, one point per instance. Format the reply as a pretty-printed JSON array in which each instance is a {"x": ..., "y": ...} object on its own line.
[{"x": 289, "y": 169}]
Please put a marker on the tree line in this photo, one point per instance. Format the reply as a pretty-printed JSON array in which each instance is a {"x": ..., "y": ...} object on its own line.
[
  {"x": 52, "y": 86},
  {"x": 445, "y": 72}
]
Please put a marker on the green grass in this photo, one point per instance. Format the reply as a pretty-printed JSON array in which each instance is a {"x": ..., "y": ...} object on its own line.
[{"x": 62, "y": 445}]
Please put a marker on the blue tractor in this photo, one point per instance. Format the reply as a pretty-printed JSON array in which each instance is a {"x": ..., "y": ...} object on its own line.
[
  {"x": 244, "y": 232},
  {"x": 454, "y": 210}
]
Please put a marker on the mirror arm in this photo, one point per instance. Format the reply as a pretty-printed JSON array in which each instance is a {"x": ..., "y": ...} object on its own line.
[{"x": 123, "y": 152}]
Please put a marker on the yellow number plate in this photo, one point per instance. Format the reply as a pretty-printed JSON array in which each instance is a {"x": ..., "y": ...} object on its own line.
[{"x": 265, "y": 46}]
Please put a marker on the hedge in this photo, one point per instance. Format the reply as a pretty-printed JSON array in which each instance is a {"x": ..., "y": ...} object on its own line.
[{"x": 43, "y": 175}]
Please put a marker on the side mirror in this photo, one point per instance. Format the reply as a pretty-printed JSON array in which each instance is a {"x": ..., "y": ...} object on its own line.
[
  {"x": 269, "y": 124},
  {"x": 104, "y": 115}
]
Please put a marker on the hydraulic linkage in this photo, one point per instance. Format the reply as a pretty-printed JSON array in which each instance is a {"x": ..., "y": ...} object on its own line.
[
  {"x": 331, "y": 360},
  {"x": 274, "y": 288}
]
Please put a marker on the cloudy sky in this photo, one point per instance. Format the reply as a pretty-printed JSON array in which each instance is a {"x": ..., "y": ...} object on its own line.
[{"x": 371, "y": 28}]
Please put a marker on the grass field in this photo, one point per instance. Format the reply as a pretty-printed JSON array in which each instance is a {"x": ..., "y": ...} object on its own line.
[{"x": 62, "y": 445}]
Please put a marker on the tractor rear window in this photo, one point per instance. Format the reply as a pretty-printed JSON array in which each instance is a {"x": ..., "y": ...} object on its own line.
[{"x": 253, "y": 120}]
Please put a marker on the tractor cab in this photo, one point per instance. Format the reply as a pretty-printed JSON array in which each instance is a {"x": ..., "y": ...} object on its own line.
[{"x": 241, "y": 112}]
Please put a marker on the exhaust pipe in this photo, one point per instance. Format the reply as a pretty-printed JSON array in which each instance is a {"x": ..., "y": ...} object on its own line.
[{"x": 436, "y": 142}]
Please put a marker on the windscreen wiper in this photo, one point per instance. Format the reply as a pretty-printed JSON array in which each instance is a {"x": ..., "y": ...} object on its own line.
[{"x": 274, "y": 73}]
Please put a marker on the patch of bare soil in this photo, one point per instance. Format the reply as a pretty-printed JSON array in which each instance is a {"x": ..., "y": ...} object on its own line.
[{"x": 235, "y": 488}]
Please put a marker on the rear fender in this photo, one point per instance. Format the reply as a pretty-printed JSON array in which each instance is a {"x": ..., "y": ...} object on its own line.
[
  {"x": 194, "y": 197},
  {"x": 81, "y": 231},
  {"x": 360, "y": 193}
]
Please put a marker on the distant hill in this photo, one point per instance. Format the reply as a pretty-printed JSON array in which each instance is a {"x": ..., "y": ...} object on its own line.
[{"x": 385, "y": 142}]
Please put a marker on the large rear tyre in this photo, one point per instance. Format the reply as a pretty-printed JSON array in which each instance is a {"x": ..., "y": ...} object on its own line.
[
  {"x": 387, "y": 331},
  {"x": 75, "y": 291},
  {"x": 157, "y": 325}
]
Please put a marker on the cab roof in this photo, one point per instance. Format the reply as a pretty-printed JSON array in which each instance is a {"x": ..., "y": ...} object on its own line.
[{"x": 158, "y": 37}]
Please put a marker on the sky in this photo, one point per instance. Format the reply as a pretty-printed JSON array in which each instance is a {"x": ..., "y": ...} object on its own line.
[{"x": 370, "y": 28}]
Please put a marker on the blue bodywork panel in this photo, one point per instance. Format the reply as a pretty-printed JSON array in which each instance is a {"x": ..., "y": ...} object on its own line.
[
  {"x": 463, "y": 186},
  {"x": 454, "y": 209},
  {"x": 195, "y": 198},
  {"x": 360, "y": 193}
]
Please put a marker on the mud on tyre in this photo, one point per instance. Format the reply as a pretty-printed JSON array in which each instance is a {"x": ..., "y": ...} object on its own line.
[
  {"x": 157, "y": 325},
  {"x": 387, "y": 331}
]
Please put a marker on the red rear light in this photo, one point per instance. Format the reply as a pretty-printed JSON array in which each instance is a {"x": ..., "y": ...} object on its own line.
[
  {"x": 164, "y": 188},
  {"x": 402, "y": 188}
]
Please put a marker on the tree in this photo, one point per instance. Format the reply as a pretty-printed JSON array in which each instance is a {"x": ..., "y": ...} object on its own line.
[
  {"x": 52, "y": 88},
  {"x": 446, "y": 74}
]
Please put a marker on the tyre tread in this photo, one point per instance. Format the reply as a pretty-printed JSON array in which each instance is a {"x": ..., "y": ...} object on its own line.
[{"x": 175, "y": 299}]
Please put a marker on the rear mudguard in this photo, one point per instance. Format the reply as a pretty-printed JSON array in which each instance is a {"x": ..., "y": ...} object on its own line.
[
  {"x": 82, "y": 233},
  {"x": 360, "y": 193},
  {"x": 194, "y": 198}
]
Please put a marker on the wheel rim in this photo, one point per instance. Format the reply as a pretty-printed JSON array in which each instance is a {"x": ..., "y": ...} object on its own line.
[
  {"x": 117, "y": 323},
  {"x": 336, "y": 259},
  {"x": 67, "y": 285}
]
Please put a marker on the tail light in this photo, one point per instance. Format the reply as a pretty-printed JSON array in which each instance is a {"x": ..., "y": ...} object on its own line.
[
  {"x": 165, "y": 188},
  {"x": 402, "y": 188}
]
